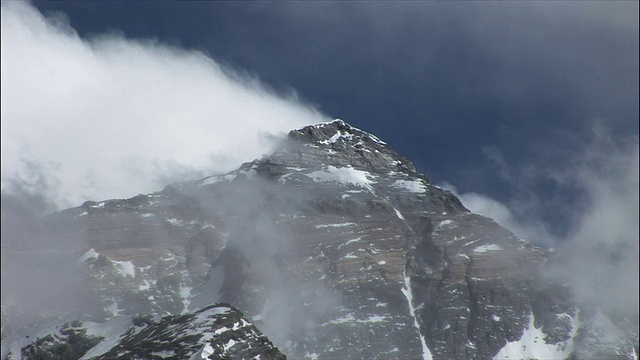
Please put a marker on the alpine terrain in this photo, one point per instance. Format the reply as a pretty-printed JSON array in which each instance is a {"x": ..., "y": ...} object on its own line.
[{"x": 332, "y": 246}]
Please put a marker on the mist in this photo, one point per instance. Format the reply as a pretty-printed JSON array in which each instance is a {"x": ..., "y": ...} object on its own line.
[
  {"x": 256, "y": 245},
  {"x": 111, "y": 117},
  {"x": 598, "y": 254}
]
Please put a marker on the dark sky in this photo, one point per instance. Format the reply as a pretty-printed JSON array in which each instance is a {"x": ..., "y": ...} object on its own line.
[{"x": 474, "y": 93}]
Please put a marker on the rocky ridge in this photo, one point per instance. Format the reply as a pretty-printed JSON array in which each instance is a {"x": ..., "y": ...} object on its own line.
[{"x": 213, "y": 332}]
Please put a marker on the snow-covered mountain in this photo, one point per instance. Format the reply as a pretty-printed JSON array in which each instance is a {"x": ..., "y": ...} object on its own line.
[{"x": 334, "y": 247}]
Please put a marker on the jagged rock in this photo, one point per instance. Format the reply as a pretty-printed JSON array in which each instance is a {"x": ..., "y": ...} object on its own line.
[{"x": 214, "y": 332}]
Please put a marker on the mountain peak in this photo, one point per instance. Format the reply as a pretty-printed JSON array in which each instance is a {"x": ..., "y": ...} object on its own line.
[
  {"x": 338, "y": 130},
  {"x": 337, "y": 144}
]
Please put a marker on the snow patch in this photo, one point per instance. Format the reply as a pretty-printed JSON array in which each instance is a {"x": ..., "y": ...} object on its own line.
[
  {"x": 412, "y": 186},
  {"x": 488, "y": 247},
  {"x": 221, "y": 330},
  {"x": 335, "y": 225},
  {"x": 332, "y": 139},
  {"x": 398, "y": 214},
  {"x": 124, "y": 268},
  {"x": 229, "y": 344},
  {"x": 445, "y": 223},
  {"x": 342, "y": 320},
  {"x": 532, "y": 345},
  {"x": 376, "y": 318},
  {"x": 90, "y": 254},
  {"x": 344, "y": 175},
  {"x": 144, "y": 286},
  {"x": 206, "y": 351},
  {"x": 174, "y": 221},
  {"x": 350, "y": 242}
]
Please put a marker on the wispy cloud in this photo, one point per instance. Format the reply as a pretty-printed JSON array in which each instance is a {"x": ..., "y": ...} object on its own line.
[
  {"x": 113, "y": 117},
  {"x": 533, "y": 229},
  {"x": 598, "y": 255}
]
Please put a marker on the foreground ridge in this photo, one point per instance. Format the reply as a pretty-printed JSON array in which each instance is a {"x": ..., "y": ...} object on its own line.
[{"x": 213, "y": 332}]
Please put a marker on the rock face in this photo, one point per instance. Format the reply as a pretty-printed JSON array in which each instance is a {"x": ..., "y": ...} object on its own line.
[
  {"x": 214, "y": 332},
  {"x": 336, "y": 248}
]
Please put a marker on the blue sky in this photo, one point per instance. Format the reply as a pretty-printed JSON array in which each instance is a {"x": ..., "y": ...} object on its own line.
[{"x": 493, "y": 98}]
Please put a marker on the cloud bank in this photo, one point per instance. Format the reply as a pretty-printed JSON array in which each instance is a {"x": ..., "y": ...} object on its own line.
[{"x": 112, "y": 117}]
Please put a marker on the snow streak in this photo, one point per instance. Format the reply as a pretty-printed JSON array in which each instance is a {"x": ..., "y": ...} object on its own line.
[{"x": 406, "y": 290}]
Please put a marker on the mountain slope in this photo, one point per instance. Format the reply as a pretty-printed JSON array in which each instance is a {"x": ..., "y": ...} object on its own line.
[{"x": 336, "y": 248}]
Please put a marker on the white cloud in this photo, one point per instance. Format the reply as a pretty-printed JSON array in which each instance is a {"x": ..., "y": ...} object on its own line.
[{"x": 114, "y": 117}]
